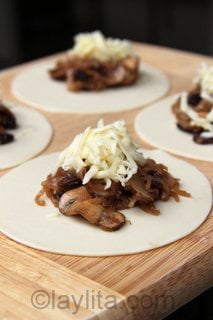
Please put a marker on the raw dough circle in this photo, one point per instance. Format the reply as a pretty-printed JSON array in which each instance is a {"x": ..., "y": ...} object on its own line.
[
  {"x": 35, "y": 87},
  {"x": 41, "y": 228},
  {"x": 156, "y": 125},
  {"x": 31, "y": 137}
]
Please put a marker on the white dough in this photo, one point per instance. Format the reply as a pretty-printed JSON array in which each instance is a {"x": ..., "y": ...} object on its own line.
[
  {"x": 31, "y": 137},
  {"x": 156, "y": 125},
  {"x": 43, "y": 228},
  {"x": 35, "y": 87}
]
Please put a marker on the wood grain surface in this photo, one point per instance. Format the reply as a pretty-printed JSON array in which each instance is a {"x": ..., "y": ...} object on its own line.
[{"x": 149, "y": 285}]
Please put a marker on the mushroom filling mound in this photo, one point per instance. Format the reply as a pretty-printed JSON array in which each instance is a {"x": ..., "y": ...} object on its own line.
[
  {"x": 96, "y": 63},
  {"x": 194, "y": 109},
  {"x": 99, "y": 206},
  {"x": 101, "y": 172},
  {"x": 98, "y": 198},
  {"x": 7, "y": 122}
]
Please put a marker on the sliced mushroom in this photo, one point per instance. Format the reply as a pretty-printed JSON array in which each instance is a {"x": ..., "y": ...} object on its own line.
[
  {"x": 198, "y": 138},
  {"x": 79, "y": 201},
  {"x": 7, "y": 118},
  {"x": 71, "y": 199},
  {"x": 5, "y": 137}
]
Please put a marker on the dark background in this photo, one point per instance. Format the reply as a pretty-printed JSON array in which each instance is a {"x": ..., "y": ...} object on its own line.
[{"x": 32, "y": 29}]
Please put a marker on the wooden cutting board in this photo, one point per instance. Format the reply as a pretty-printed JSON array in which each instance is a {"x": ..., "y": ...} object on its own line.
[{"x": 150, "y": 285}]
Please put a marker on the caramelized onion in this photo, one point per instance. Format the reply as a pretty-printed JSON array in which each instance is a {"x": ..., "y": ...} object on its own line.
[
  {"x": 38, "y": 199},
  {"x": 152, "y": 182}
]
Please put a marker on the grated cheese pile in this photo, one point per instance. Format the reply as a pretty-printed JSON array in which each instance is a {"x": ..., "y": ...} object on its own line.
[
  {"x": 205, "y": 80},
  {"x": 95, "y": 45},
  {"x": 108, "y": 150}
]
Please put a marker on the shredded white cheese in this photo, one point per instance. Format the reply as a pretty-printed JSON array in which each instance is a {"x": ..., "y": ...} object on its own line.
[
  {"x": 204, "y": 123},
  {"x": 205, "y": 80},
  {"x": 107, "y": 150},
  {"x": 95, "y": 45},
  {"x": 207, "y": 134}
]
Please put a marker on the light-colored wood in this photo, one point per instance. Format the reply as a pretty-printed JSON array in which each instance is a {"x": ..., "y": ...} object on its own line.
[{"x": 149, "y": 285}]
